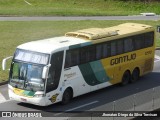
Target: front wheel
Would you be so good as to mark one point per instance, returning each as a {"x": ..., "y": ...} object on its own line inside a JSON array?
[
  {"x": 67, "y": 96},
  {"x": 126, "y": 78}
]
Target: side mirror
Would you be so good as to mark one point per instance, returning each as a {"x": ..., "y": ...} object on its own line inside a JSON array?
[
  {"x": 4, "y": 62},
  {"x": 45, "y": 71}
]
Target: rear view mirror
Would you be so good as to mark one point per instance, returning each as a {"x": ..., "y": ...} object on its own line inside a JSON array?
[
  {"x": 4, "y": 62},
  {"x": 45, "y": 71}
]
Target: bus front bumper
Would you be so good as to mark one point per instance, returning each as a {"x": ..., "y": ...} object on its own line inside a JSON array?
[{"x": 40, "y": 101}]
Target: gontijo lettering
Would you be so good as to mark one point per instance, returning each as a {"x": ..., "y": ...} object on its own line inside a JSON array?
[{"x": 123, "y": 59}]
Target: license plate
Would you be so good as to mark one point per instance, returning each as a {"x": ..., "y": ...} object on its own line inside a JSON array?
[{"x": 24, "y": 100}]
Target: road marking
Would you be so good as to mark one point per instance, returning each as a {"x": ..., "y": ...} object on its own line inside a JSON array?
[
  {"x": 156, "y": 58},
  {"x": 81, "y": 106},
  {"x": 2, "y": 98},
  {"x": 69, "y": 110},
  {"x": 27, "y": 2}
]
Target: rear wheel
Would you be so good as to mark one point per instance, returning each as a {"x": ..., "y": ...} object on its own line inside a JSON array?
[
  {"x": 67, "y": 96},
  {"x": 135, "y": 75},
  {"x": 126, "y": 78}
]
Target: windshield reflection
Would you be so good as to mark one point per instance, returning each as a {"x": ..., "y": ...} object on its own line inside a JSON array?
[{"x": 27, "y": 76}]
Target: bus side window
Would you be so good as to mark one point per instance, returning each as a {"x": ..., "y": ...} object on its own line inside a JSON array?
[
  {"x": 106, "y": 50},
  {"x": 87, "y": 54},
  {"x": 99, "y": 51},
  {"x": 139, "y": 41},
  {"x": 72, "y": 58},
  {"x": 120, "y": 47},
  {"x": 113, "y": 48},
  {"x": 75, "y": 57},
  {"x": 68, "y": 61},
  {"x": 83, "y": 55},
  {"x": 91, "y": 54},
  {"x": 149, "y": 38},
  {"x": 128, "y": 45}
]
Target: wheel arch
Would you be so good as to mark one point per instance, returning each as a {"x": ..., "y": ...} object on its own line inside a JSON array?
[
  {"x": 127, "y": 70},
  {"x": 71, "y": 89},
  {"x": 138, "y": 70}
]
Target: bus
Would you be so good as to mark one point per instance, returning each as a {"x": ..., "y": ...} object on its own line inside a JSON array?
[{"x": 58, "y": 69}]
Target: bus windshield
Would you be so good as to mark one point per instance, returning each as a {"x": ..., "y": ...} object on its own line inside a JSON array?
[{"x": 27, "y": 76}]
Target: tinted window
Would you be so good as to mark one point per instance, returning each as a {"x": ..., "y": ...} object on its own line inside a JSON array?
[
  {"x": 99, "y": 49},
  {"x": 87, "y": 54},
  {"x": 120, "y": 47},
  {"x": 72, "y": 58},
  {"x": 113, "y": 48},
  {"x": 106, "y": 50},
  {"x": 83, "y": 55},
  {"x": 139, "y": 42},
  {"x": 128, "y": 44},
  {"x": 91, "y": 53},
  {"x": 149, "y": 38},
  {"x": 75, "y": 57},
  {"x": 68, "y": 59},
  {"x": 80, "y": 56}
]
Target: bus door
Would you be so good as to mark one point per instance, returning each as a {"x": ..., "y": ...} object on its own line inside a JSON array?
[{"x": 54, "y": 73}]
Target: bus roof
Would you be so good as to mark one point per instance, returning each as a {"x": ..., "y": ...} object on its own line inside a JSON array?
[
  {"x": 99, "y": 33},
  {"x": 51, "y": 44},
  {"x": 82, "y": 37}
]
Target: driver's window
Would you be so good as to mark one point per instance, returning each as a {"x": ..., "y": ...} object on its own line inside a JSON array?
[{"x": 15, "y": 74}]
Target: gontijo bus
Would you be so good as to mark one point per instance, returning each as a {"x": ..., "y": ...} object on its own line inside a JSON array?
[{"x": 57, "y": 69}]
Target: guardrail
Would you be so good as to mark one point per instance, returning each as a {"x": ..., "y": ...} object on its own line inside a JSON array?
[{"x": 148, "y": 100}]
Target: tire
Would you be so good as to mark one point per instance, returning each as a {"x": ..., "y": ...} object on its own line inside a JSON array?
[
  {"x": 135, "y": 75},
  {"x": 126, "y": 78},
  {"x": 67, "y": 96}
]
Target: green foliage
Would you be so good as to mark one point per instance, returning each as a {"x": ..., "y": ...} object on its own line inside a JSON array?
[{"x": 77, "y": 7}]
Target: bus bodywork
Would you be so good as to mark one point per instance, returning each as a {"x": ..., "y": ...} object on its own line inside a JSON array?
[{"x": 56, "y": 69}]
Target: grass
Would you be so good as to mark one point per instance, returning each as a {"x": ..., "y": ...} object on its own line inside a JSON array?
[
  {"x": 75, "y": 7},
  {"x": 15, "y": 33}
]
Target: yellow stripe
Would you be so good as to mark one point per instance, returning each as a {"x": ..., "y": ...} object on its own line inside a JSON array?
[{"x": 20, "y": 92}]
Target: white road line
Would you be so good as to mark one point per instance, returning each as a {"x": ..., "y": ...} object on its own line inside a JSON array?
[
  {"x": 69, "y": 110},
  {"x": 81, "y": 106},
  {"x": 27, "y": 2},
  {"x": 2, "y": 98},
  {"x": 156, "y": 61},
  {"x": 157, "y": 57}
]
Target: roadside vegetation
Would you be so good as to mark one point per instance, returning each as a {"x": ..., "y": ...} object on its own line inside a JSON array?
[
  {"x": 77, "y": 7},
  {"x": 15, "y": 33}
]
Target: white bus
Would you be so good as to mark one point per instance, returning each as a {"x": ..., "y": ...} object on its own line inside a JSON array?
[{"x": 57, "y": 69}]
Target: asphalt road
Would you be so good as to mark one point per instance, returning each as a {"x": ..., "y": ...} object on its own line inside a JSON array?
[
  {"x": 69, "y": 18},
  {"x": 89, "y": 102}
]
